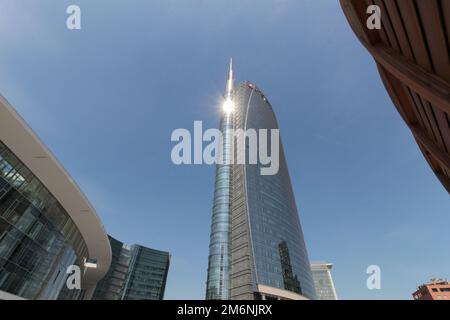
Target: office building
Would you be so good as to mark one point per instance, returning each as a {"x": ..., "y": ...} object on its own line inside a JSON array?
[
  {"x": 411, "y": 52},
  {"x": 46, "y": 223},
  {"x": 323, "y": 281},
  {"x": 257, "y": 249},
  {"x": 136, "y": 273},
  {"x": 147, "y": 275},
  {"x": 436, "y": 289},
  {"x": 112, "y": 285}
]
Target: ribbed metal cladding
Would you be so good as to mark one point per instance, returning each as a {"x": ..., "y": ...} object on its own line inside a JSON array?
[{"x": 217, "y": 287}]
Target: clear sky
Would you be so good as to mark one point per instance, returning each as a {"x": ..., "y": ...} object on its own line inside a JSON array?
[{"x": 105, "y": 99}]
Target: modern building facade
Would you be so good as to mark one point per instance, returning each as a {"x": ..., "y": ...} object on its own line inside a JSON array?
[
  {"x": 46, "y": 223},
  {"x": 257, "y": 249},
  {"x": 411, "y": 51},
  {"x": 323, "y": 281},
  {"x": 112, "y": 285},
  {"x": 436, "y": 289},
  {"x": 219, "y": 262},
  {"x": 147, "y": 275},
  {"x": 136, "y": 273}
]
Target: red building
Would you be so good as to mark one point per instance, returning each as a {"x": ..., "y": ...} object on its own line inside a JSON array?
[{"x": 437, "y": 289}]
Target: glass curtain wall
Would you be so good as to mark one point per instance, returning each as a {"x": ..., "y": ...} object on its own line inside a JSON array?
[{"x": 38, "y": 239}]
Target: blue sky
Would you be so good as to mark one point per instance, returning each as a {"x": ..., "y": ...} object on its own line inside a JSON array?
[{"x": 106, "y": 98}]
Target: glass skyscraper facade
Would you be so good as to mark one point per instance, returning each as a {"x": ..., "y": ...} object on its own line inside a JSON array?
[
  {"x": 220, "y": 251},
  {"x": 260, "y": 225},
  {"x": 136, "y": 273}
]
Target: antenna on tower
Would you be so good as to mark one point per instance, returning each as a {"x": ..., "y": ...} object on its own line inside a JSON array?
[{"x": 230, "y": 80}]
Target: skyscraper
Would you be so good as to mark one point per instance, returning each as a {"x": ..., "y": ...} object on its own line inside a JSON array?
[
  {"x": 257, "y": 249},
  {"x": 323, "y": 281},
  {"x": 136, "y": 273}
]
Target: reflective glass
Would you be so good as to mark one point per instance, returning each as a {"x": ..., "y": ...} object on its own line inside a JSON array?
[{"x": 38, "y": 239}]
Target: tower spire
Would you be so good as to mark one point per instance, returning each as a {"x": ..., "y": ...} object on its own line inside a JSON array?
[{"x": 230, "y": 80}]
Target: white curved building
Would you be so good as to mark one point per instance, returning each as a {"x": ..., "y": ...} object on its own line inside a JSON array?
[{"x": 46, "y": 222}]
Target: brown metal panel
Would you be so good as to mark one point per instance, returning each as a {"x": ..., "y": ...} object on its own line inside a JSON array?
[
  {"x": 397, "y": 24},
  {"x": 438, "y": 170},
  {"x": 361, "y": 9},
  {"x": 414, "y": 108},
  {"x": 433, "y": 123},
  {"x": 439, "y": 155},
  {"x": 434, "y": 164},
  {"x": 410, "y": 107},
  {"x": 420, "y": 80},
  {"x": 435, "y": 37},
  {"x": 426, "y": 84},
  {"x": 445, "y": 5},
  {"x": 383, "y": 36},
  {"x": 441, "y": 118},
  {"x": 417, "y": 77},
  {"x": 355, "y": 11},
  {"x": 424, "y": 119},
  {"x": 415, "y": 34},
  {"x": 444, "y": 180},
  {"x": 387, "y": 26},
  {"x": 353, "y": 19},
  {"x": 396, "y": 91}
]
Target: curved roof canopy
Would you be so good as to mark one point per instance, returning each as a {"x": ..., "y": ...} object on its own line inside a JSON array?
[
  {"x": 412, "y": 55},
  {"x": 21, "y": 140}
]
